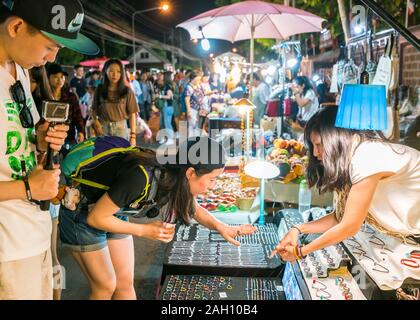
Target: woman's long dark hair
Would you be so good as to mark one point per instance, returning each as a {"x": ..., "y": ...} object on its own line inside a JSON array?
[
  {"x": 333, "y": 173},
  {"x": 43, "y": 89},
  {"x": 122, "y": 88},
  {"x": 173, "y": 187},
  {"x": 304, "y": 81}
]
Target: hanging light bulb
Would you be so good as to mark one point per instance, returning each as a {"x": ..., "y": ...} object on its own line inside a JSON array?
[{"x": 205, "y": 44}]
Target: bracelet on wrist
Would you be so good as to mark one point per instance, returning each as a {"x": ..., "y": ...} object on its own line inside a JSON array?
[
  {"x": 27, "y": 188},
  {"x": 298, "y": 252},
  {"x": 25, "y": 179},
  {"x": 295, "y": 227}
]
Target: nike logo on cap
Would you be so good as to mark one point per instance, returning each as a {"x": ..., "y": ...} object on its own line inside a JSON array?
[{"x": 76, "y": 23}]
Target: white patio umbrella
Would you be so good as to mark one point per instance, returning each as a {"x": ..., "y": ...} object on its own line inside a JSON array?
[{"x": 252, "y": 20}]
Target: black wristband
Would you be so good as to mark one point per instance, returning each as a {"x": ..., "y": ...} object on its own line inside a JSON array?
[
  {"x": 300, "y": 252},
  {"x": 27, "y": 188},
  {"x": 295, "y": 227}
]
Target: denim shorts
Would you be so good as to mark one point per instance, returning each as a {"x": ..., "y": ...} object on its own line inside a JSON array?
[{"x": 76, "y": 234}]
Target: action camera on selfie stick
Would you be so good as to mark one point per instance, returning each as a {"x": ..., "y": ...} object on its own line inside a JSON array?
[{"x": 55, "y": 113}]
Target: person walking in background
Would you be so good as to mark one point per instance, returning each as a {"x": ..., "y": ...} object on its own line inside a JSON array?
[
  {"x": 61, "y": 92},
  {"x": 194, "y": 96},
  {"x": 135, "y": 85},
  {"x": 215, "y": 82},
  {"x": 205, "y": 105},
  {"x": 95, "y": 78},
  {"x": 176, "y": 101},
  {"x": 146, "y": 98},
  {"x": 78, "y": 82},
  {"x": 164, "y": 101},
  {"x": 114, "y": 103},
  {"x": 260, "y": 99},
  {"x": 306, "y": 98},
  {"x": 40, "y": 87},
  {"x": 86, "y": 106}
]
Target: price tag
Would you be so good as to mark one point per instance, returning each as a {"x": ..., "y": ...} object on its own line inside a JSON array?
[
  {"x": 279, "y": 288},
  {"x": 222, "y": 295}
]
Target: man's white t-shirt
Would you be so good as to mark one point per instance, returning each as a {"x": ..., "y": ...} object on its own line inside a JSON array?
[
  {"x": 25, "y": 230},
  {"x": 396, "y": 201},
  {"x": 308, "y": 110}
]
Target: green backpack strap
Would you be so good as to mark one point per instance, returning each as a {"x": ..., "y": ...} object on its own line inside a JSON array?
[
  {"x": 75, "y": 176},
  {"x": 146, "y": 189}
]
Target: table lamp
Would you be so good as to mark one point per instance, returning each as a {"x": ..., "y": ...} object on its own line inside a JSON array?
[
  {"x": 261, "y": 169},
  {"x": 362, "y": 107},
  {"x": 246, "y": 108}
]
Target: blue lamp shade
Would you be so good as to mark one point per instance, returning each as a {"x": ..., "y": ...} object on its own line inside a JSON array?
[{"x": 362, "y": 107}]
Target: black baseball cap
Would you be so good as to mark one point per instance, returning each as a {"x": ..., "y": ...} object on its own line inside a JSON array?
[
  {"x": 54, "y": 68},
  {"x": 59, "y": 20}
]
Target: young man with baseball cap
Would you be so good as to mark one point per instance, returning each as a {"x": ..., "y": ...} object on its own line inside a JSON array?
[{"x": 31, "y": 33}]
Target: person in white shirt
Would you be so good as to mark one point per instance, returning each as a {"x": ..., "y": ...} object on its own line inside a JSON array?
[
  {"x": 306, "y": 99},
  {"x": 380, "y": 182},
  {"x": 28, "y": 40}
]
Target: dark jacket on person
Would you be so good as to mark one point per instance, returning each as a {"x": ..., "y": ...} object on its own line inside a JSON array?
[{"x": 75, "y": 118}]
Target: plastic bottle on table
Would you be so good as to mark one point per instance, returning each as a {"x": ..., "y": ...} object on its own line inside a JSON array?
[{"x": 304, "y": 200}]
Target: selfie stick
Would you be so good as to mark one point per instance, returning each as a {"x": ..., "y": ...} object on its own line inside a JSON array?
[
  {"x": 54, "y": 112},
  {"x": 49, "y": 165}
]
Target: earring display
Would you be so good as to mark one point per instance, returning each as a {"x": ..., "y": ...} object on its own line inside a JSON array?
[{"x": 179, "y": 287}]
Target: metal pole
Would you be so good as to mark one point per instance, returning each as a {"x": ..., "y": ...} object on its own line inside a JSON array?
[
  {"x": 134, "y": 33},
  {"x": 251, "y": 82},
  {"x": 379, "y": 11},
  {"x": 262, "y": 191},
  {"x": 134, "y": 43}
]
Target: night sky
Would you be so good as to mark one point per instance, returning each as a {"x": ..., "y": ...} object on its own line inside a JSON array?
[{"x": 181, "y": 10}]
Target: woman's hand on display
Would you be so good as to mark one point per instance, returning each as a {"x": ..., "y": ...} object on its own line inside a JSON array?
[
  {"x": 158, "y": 230},
  {"x": 44, "y": 183},
  {"x": 229, "y": 233},
  {"x": 52, "y": 136},
  {"x": 286, "y": 253},
  {"x": 289, "y": 240}
]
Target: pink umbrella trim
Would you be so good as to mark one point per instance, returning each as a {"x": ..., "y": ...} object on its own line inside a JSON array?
[{"x": 252, "y": 7}]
